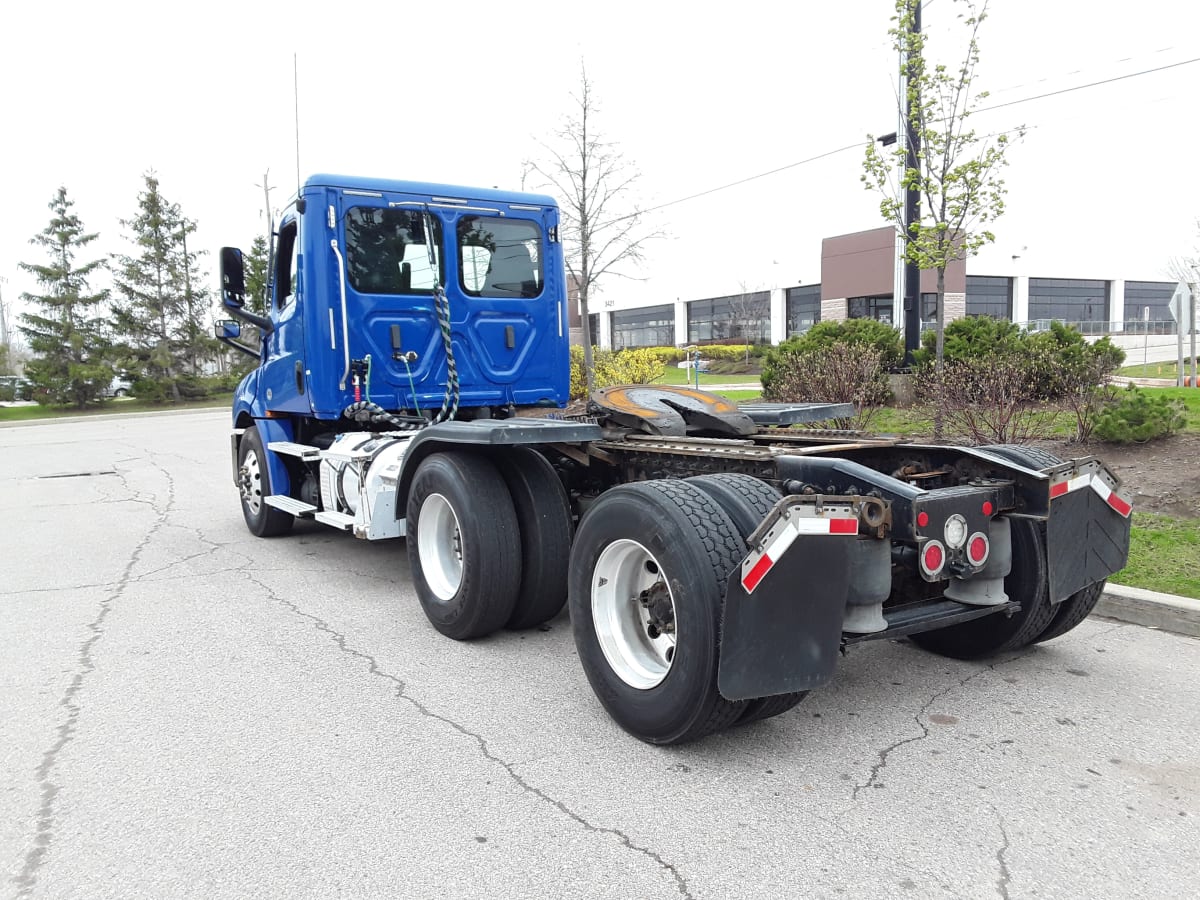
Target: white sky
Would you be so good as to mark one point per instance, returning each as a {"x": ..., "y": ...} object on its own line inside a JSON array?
[{"x": 697, "y": 94}]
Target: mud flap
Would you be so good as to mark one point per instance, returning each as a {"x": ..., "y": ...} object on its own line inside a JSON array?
[
  {"x": 782, "y": 623},
  {"x": 1087, "y": 539}
]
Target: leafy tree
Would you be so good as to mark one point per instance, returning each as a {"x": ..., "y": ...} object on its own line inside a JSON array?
[
  {"x": 957, "y": 172},
  {"x": 162, "y": 316},
  {"x": 66, "y": 333},
  {"x": 602, "y": 231}
]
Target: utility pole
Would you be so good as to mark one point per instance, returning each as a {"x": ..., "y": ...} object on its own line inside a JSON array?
[{"x": 912, "y": 199}]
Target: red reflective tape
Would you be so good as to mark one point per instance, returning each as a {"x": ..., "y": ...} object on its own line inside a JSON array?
[
  {"x": 1057, "y": 490},
  {"x": 843, "y": 526},
  {"x": 755, "y": 575},
  {"x": 1119, "y": 505}
]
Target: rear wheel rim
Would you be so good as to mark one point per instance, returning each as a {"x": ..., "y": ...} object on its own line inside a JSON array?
[
  {"x": 439, "y": 544},
  {"x": 637, "y": 640}
]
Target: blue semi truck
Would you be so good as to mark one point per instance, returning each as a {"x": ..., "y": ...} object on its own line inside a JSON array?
[{"x": 412, "y": 372}]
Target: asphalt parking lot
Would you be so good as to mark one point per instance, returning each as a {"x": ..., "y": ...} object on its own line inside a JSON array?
[{"x": 189, "y": 711}]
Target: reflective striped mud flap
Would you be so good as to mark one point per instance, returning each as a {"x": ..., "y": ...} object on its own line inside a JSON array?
[
  {"x": 782, "y": 622},
  {"x": 1087, "y": 533}
]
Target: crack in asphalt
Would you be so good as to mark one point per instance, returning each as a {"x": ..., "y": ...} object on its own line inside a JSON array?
[
  {"x": 879, "y": 765},
  {"x": 1005, "y": 875},
  {"x": 43, "y": 836},
  {"x": 401, "y": 693}
]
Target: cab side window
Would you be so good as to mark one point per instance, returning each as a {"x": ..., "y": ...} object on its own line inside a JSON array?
[{"x": 286, "y": 259}]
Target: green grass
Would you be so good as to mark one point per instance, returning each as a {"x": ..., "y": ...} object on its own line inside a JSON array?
[
  {"x": 1164, "y": 555},
  {"x": 1167, "y": 369},
  {"x": 108, "y": 407},
  {"x": 739, "y": 396},
  {"x": 674, "y": 375}
]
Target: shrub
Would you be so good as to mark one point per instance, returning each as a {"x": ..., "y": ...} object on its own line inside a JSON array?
[
  {"x": 986, "y": 400},
  {"x": 859, "y": 334},
  {"x": 639, "y": 366},
  {"x": 725, "y": 351},
  {"x": 1137, "y": 416},
  {"x": 665, "y": 355},
  {"x": 969, "y": 338},
  {"x": 854, "y": 332},
  {"x": 837, "y": 373}
]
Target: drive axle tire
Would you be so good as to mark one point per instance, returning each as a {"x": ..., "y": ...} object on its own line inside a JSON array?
[
  {"x": 463, "y": 544},
  {"x": 1077, "y": 607},
  {"x": 649, "y": 569},
  {"x": 1027, "y": 584},
  {"x": 544, "y": 518},
  {"x": 747, "y": 501},
  {"x": 1072, "y": 611},
  {"x": 254, "y": 485}
]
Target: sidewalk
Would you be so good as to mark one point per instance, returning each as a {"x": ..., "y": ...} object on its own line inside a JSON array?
[{"x": 1165, "y": 612}]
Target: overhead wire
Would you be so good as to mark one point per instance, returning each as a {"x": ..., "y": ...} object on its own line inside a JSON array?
[{"x": 834, "y": 152}]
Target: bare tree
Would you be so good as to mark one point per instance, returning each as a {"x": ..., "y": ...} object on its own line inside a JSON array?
[
  {"x": 602, "y": 230},
  {"x": 749, "y": 309}
]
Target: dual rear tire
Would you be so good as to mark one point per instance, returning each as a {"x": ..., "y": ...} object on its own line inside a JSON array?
[{"x": 488, "y": 541}]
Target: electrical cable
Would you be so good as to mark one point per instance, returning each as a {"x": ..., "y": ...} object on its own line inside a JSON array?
[{"x": 829, "y": 153}]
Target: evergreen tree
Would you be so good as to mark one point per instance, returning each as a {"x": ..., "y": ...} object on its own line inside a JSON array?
[
  {"x": 66, "y": 332},
  {"x": 256, "y": 276},
  {"x": 162, "y": 313}
]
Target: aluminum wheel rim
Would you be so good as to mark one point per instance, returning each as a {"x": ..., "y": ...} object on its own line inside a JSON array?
[
  {"x": 252, "y": 483},
  {"x": 439, "y": 544},
  {"x": 624, "y": 570}
]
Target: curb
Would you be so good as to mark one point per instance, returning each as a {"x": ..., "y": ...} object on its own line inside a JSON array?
[{"x": 1152, "y": 609}]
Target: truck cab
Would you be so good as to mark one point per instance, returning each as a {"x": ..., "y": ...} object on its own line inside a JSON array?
[{"x": 358, "y": 276}]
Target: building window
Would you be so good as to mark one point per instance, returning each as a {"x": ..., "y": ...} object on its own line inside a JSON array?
[
  {"x": 738, "y": 317},
  {"x": 1152, "y": 295},
  {"x": 803, "y": 308},
  {"x": 1076, "y": 301},
  {"x": 879, "y": 308},
  {"x": 651, "y": 326},
  {"x": 988, "y": 295}
]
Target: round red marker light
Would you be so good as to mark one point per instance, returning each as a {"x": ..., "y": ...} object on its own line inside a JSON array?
[
  {"x": 933, "y": 558},
  {"x": 977, "y": 549},
  {"x": 922, "y": 519},
  {"x": 987, "y": 507}
]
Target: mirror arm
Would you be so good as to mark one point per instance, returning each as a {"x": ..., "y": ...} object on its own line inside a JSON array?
[
  {"x": 238, "y": 345},
  {"x": 261, "y": 322}
]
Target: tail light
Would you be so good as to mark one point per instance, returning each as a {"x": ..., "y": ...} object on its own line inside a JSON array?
[
  {"x": 978, "y": 548},
  {"x": 933, "y": 558}
]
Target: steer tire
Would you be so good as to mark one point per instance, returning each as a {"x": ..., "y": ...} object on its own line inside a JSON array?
[
  {"x": 1027, "y": 584},
  {"x": 255, "y": 487},
  {"x": 655, "y": 536},
  {"x": 747, "y": 501},
  {"x": 463, "y": 542},
  {"x": 544, "y": 518}
]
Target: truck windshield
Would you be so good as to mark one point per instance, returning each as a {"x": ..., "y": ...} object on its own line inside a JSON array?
[
  {"x": 387, "y": 251},
  {"x": 499, "y": 257}
]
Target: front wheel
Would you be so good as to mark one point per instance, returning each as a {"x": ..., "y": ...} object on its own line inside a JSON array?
[
  {"x": 648, "y": 574},
  {"x": 254, "y": 485},
  {"x": 463, "y": 545}
]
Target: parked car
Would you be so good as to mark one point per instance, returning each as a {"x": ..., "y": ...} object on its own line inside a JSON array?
[{"x": 118, "y": 387}]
